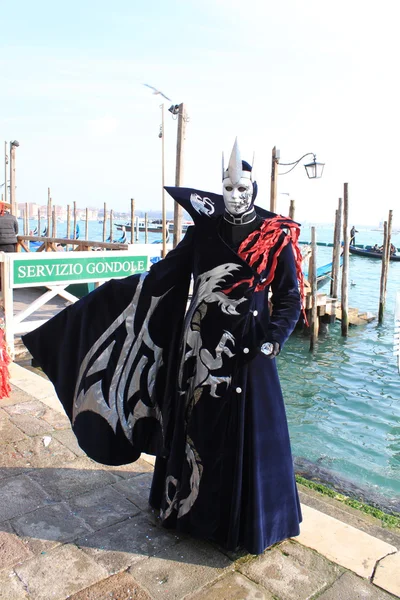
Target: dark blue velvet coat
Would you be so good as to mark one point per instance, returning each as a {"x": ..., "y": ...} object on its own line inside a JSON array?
[{"x": 137, "y": 373}]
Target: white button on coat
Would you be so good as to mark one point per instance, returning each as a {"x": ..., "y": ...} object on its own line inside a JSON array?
[
  {"x": 246, "y": 350},
  {"x": 255, "y": 312},
  {"x": 238, "y": 389}
]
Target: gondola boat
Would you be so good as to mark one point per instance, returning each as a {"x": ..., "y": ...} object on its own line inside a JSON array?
[{"x": 370, "y": 253}]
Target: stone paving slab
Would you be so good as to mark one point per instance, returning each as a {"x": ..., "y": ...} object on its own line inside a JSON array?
[
  {"x": 180, "y": 570},
  {"x": 12, "y": 462},
  {"x": 137, "y": 490},
  {"x": 9, "y": 433},
  {"x": 68, "y": 439},
  {"x": 131, "y": 470},
  {"x": 12, "y": 550},
  {"x": 49, "y": 526},
  {"x": 58, "y": 574},
  {"x": 232, "y": 587},
  {"x": 117, "y": 587},
  {"x": 348, "y": 514},
  {"x": 31, "y": 425},
  {"x": 289, "y": 567},
  {"x": 31, "y": 407},
  {"x": 27, "y": 382},
  {"x": 345, "y": 545},
  {"x": 119, "y": 546},
  {"x": 44, "y": 451},
  {"x": 102, "y": 508},
  {"x": 11, "y": 588},
  {"x": 19, "y": 495},
  {"x": 351, "y": 587},
  {"x": 73, "y": 479},
  {"x": 56, "y": 419},
  {"x": 387, "y": 574}
]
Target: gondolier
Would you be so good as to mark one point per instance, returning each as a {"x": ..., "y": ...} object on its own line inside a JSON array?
[{"x": 199, "y": 390}]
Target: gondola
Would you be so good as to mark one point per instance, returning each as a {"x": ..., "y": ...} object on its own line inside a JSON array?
[{"x": 370, "y": 253}]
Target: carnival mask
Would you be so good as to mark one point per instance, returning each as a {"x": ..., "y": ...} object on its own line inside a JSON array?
[
  {"x": 238, "y": 189},
  {"x": 237, "y": 196}
]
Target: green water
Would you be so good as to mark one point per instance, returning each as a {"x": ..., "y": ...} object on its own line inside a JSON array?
[{"x": 343, "y": 400}]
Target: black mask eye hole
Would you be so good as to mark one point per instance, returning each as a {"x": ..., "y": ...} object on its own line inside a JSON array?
[{"x": 242, "y": 189}]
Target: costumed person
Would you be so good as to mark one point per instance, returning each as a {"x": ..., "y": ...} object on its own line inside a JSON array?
[{"x": 200, "y": 390}]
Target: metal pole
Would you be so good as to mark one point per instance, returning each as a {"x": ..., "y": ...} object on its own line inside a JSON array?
[
  {"x": 178, "y": 212},
  {"x": 345, "y": 270},
  {"x": 164, "y": 210},
  {"x": 274, "y": 180}
]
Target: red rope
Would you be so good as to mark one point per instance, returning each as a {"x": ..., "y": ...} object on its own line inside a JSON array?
[
  {"x": 256, "y": 249},
  {"x": 5, "y": 360}
]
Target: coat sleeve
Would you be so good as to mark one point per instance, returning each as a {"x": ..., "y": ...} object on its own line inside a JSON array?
[
  {"x": 113, "y": 355},
  {"x": 285, "y": 298}
]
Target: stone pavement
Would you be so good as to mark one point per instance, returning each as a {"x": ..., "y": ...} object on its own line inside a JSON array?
[{"x": 72, "y": 528}]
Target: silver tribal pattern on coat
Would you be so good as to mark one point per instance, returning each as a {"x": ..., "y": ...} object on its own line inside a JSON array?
[{"x": 207, "y": 290}]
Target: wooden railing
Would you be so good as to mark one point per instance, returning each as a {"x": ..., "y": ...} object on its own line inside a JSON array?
[{"x": 50, "y": 244}]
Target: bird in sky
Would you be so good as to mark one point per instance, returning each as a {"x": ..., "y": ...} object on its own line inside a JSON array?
[{"x": 155, "y": 91}]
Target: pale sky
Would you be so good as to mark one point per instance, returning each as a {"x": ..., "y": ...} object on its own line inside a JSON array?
[{"x": 310, "y": 76}]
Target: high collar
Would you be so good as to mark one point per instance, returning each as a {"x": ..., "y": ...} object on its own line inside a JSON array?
[{"x": 243, "y": 219}]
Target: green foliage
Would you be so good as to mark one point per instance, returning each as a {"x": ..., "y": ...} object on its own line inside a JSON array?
[{"x": 392, "y": 520}]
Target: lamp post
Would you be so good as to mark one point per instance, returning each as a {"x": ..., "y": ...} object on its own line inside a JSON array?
[
  {"x": 313, "y": 169},
  {"x": 13, "y": 146},
  {"x": 180, "y": 111}
]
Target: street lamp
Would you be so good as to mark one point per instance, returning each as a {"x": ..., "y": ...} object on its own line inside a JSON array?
[{"x": 313, "y": 169}]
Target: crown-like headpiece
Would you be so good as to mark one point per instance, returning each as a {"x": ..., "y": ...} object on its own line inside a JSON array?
[{"x": 235, "y": 167}]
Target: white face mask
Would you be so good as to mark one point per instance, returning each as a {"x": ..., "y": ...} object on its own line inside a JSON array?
[{"x": 237, "y": 197}]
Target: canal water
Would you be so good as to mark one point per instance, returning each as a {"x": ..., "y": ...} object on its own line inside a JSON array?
[{"x": 343, "y": 400}]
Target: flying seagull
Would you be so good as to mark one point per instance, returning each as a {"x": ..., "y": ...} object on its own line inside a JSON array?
[{"x": 155, "y": 91}]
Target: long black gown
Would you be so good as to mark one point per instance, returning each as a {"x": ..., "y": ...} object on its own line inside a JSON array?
[{"x": 136, "y": 373}]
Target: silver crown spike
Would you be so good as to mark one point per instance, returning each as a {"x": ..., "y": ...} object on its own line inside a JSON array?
[
  {"x": 235, "y": 164},
  {"x": 252, "y": 174}
]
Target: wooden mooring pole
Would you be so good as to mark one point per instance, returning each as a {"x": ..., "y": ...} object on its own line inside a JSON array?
[
  {"x": 111, "y": 224},
  {"x": 387, "y": 232},
  {"x": 87, "y": 224},
  {"x": 345, "y": 270},
  {"x": 146, "y": 229},
  {"x": 336, "y": 250},
  {"x": 38, "y": 222},
  {"x": 132, "y": 220},
  {"x": 137, "y": 228},
  {"x": 74, "y": 232},
  {"x": 292, "y": 209},
  {"x": 53, "y": 223},
  {"x": 312, "y": 278},
  {"x": 104, "y": 221},
  {"x": 48, "y": 212},
  {"x": 26, "y": 220}
]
